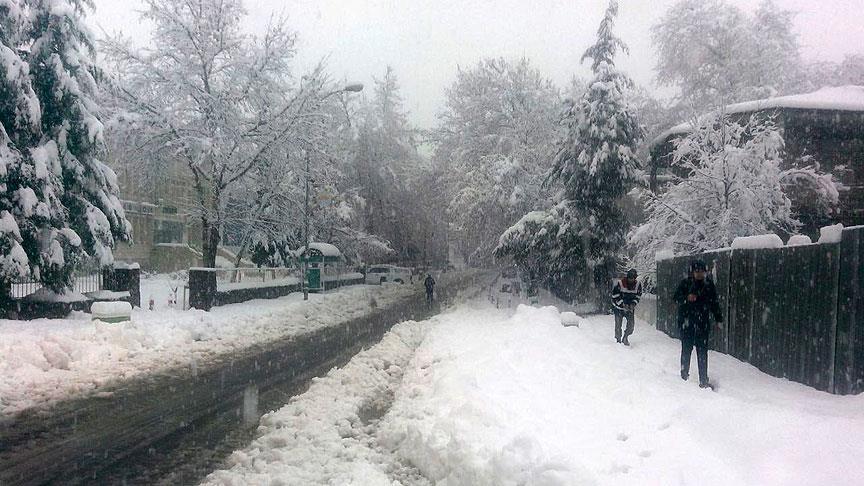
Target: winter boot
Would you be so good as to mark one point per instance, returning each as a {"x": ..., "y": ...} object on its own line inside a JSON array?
[
  {"x": 684, "y": 375},
  {"x": 625, "y": 341}
]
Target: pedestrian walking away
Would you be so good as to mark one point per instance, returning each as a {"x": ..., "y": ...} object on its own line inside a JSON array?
[
  {"x": 625, "y": 296},
  {"x": 429, "y": 283},
  {"x": 697, "y": 301}
]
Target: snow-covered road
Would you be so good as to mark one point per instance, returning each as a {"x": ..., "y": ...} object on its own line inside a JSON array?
[{"x": 488, "y": 398}]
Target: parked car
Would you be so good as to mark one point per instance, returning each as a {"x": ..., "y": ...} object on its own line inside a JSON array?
[{"x": 378, "y": 274}]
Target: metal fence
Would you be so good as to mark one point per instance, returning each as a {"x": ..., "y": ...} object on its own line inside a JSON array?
[
  {"x": 88, "y": 278},
  {"x": 794, "y": 312}
]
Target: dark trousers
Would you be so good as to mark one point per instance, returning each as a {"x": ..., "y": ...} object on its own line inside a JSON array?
[
  {"x": 620, "y": 315},
  {"x": 687, "y": 345}
]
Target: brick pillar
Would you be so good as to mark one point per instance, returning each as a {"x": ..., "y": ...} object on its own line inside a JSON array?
[
  {"x": 202, "y": 288},
  {"x": 124, "y": 278}
]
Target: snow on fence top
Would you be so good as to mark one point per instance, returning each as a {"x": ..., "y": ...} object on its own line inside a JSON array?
[
  {"x": 799, "y": 240},
  {"x": 841, "y": 98},
  {"x": 831, "y": 234},
  {"x": 758, "y": 241}
]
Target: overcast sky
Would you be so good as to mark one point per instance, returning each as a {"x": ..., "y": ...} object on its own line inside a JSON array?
[{"x": 425, "y": 40}]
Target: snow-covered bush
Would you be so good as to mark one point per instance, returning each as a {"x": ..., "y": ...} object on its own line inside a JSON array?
[{"x": 731, "y": 186}]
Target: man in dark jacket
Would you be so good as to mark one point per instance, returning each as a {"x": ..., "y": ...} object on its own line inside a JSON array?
[
  {"x": 625, "y": 295},
  {"x": 429, "y": 283},
  {"x": 696, "y": 297}
]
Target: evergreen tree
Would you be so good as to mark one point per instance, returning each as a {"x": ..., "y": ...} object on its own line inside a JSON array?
[
  {"x": 596, "y": 163},
  {"x": 61, "y": 198}
]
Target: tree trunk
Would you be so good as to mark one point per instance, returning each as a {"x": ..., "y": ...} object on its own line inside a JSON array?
[{"x": 209, "y": 242}]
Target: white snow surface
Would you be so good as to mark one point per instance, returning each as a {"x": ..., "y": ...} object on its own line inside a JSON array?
[
  {"x": 45, "y": 360},
  {"x": 799, "y": 240},
  {"x": 490, "y": 398},
  {"x": 831, "y": 234},
  {"x": 756, "y": 242}
]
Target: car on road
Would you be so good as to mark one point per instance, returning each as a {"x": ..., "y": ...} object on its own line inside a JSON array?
[{"x": 378, "y": 274}]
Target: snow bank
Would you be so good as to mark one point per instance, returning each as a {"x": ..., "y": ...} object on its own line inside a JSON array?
[
  {"x": 831, "y": 234},
  {"x": 757, "y": 242},
  {"x": 323, "y": 436}
]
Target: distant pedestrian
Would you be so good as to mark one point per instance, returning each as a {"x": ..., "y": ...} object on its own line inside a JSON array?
[
  {"x": 625, "y": 295},
  {"x": 429, "y": 283},
  {"x": 696, "y": 297}
]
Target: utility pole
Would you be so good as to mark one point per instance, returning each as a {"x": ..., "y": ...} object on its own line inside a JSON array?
[{"x": 306, "y": 247}]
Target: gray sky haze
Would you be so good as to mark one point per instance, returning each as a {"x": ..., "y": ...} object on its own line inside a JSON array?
[{"x": 426, "y": 40}]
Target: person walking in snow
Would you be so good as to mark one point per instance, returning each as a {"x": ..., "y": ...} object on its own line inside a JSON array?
[
  {"x": 625, "y": 295},
  {"x": 429, "y": 283},
  {"x": 697, "y": 300}
]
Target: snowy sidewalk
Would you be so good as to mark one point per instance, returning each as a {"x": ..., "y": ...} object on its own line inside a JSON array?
[
  {"x": 46, "y": 360},
  {"x": 490, "y": 399}
]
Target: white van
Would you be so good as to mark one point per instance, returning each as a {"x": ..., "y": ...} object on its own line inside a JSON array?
[{"x": 377, "y": 274}]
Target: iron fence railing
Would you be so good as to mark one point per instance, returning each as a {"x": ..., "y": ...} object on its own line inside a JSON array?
[{"x": 88, "y": 278}]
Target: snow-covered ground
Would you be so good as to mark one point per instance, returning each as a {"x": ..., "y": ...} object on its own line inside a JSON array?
[
  {"x": 491, "y": 398},
  {"x": 45, "y": 360}
]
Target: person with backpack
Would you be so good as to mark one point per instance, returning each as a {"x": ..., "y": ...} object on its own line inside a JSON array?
[
  {"x": 697, "y": 301},
  {"x": 625, "y": 295}
]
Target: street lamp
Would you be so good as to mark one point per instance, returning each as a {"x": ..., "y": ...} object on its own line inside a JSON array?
[{"x": 353, "y": 88}]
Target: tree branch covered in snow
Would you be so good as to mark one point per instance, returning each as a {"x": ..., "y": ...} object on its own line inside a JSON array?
[
  {"x": 60, "y": 201},
  {"x": 730, "y": 184},
  {"x": 220, "y": 100},
  {"x": 495, "y": 143}
]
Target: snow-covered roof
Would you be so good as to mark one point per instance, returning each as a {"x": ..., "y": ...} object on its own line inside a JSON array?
[
  {"x": 840, "y": 98},
  {"x": 326, "y": 249}
]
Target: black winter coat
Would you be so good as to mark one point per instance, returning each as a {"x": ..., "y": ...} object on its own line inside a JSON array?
[{"x": 694, "y": 318}]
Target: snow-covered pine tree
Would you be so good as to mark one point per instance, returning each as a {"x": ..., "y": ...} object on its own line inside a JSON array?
[
  {"x": 730, "y": 184},
  {"x": 596, "y": 162},
  {"x": 61, "y": 197}
]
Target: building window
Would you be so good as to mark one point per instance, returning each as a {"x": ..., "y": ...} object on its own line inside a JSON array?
[{"x": 168, "y": 232}]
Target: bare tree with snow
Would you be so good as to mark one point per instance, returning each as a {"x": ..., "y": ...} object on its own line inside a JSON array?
[{"x": 220, "y": 100}]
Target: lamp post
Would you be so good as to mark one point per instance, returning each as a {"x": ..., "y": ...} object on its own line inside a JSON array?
[{"x": 354, "y": 88}]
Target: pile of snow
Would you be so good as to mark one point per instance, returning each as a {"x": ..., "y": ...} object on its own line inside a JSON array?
[
  {"x": 325, "y": 436},
  {"x": 570, "y": 319},
  {"x": 831, "y": 234},
  {"x": 51, "y": 359},
  {"x": 44, "y": 294},
  {"x": 757, "y": 242},
  {"x": 799, "y": 240}
]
